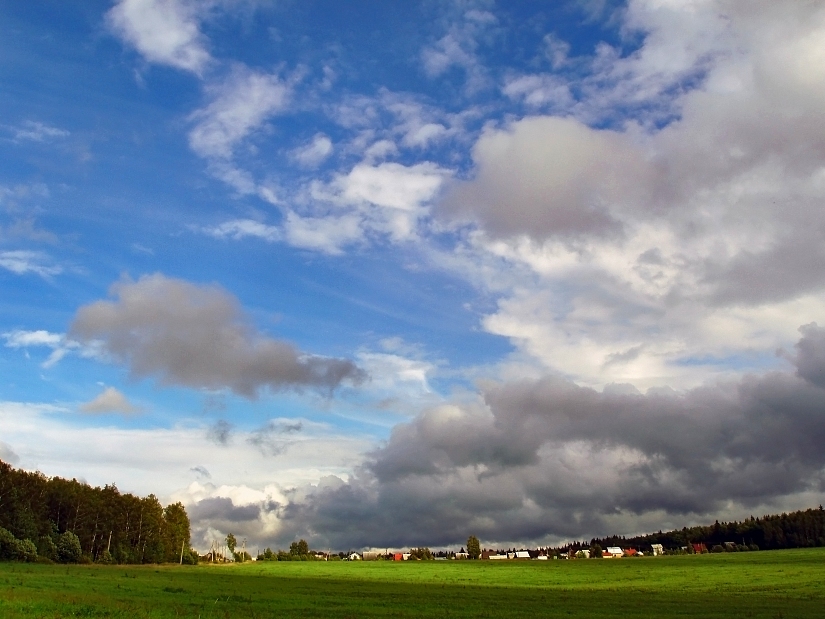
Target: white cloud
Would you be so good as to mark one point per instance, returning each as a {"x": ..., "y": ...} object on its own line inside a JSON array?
[
  {"x": 458, "y": 48},
  {"x": 391, "y": 185},
  {"x": 327, "y": 234},
  {"x": 110, "y": 400},
  {"x": 240, "y": 104},
  {"x": 37, "y": 131},
  {"x": 163, "y": 31},
  {"x": 22, "y": 262},
  {"x": 242, "y": 228},
  {"x": 316, "y": 152},
  {"x": 56, "y": 341},
  {"x": 540, "y": 91},
  {"x": 23, "y": 339}
]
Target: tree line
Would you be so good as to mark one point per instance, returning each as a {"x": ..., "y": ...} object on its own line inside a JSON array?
[
  {"x": 800, "y": 529},
  {"x": 70, "y": 521}
]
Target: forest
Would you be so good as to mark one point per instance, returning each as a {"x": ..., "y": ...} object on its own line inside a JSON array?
[{"x": 55, "y": 519}]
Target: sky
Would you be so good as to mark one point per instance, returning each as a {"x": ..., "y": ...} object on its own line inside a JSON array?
[{"x": 390, "y": 274}]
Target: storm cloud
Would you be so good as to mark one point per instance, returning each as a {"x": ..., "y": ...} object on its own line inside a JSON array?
[
  {"x": 198, "y": 336},
  {"x": 548, "y": 459}
]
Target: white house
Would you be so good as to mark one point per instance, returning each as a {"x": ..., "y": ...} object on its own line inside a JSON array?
[
  {"x": 614, "y": 551},
  {"x": 658, "y": 550}
]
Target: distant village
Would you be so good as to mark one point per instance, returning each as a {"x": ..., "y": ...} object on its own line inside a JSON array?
[{"x": 570, "y": 552}]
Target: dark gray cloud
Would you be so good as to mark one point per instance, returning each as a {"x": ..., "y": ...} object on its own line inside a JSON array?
[
  {"x": 271, "y": 438},
  {"x": 202, "y": 471},
  {"x": 548, "y": 458},
  {"x": 220, "y": 432},
  {"x": 198, "y": 336},
  {"x": 810, "y": 359},
  {"x": 222, "y": 509}
]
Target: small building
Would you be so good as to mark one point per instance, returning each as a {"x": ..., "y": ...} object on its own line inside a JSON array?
[
  {"x": 497, "y": 557},
  {"x": 658, "y": 550},
  {"x": 354, "y": 557},
  {"x": 462, "y": 555},
  {"x": 370, "y": 555},
  {"x": 630, "y": 552},
  {"x": 699, "y": 549},
  {"x": 521, "y": 554}
]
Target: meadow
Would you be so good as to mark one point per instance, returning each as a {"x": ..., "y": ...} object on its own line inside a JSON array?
[{"x": 770, "y": 584}]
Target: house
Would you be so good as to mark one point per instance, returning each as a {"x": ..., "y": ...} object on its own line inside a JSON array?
[
  {"x": 613, "y": 552},
  {"x": 462, "y": 555},
  {"x": 522, "y": 554},
  {"x": 658, "y": 550},
  {"x": 699, "y": 549},
  {"x": 630, "y": 552},
  {"x": 354, "y": 557}
]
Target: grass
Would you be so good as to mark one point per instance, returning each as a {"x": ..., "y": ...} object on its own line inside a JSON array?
[{"x": 778, "y": 584}]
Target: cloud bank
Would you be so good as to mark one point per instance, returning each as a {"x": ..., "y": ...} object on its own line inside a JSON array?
[{"x": 547, "y": 459}]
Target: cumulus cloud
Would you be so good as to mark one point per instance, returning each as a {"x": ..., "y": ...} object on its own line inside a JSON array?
[
  {"x": 546, "y": 458},
  {"x": 110, "y": 400},
  {"x": 548, "y": 176},
  {"x": 163, "y": 31},
  {"x": 679, "y": 220},
  {"x": 198, "y": 336}
]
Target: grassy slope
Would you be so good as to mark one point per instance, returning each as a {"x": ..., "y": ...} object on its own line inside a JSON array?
[{"x": 764, "y": 584}]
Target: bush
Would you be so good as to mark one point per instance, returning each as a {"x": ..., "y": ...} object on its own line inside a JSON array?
[
  {"x": 8, "y": 545},
  {"x": 191, "y": 557},
  {"x": 717, "y": 548},
  {"x": 68, "y": 548},
  {"x": 105, "y": 558},
  {"x": 26, "y": 551},
  {"x": 46, "y": 548}
]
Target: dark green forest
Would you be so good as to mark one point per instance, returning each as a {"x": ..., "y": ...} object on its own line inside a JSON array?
[
  {"x": 801, "y": 529},
  {"x": 55, "y": 519}
]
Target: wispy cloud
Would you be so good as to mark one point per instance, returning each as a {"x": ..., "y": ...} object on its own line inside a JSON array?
[
  {"x": 23, "y": 262},
  {"x": 37, "y": 132}
]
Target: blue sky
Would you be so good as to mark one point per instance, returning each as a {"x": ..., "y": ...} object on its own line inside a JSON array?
[{"x": 286, "y": 254}]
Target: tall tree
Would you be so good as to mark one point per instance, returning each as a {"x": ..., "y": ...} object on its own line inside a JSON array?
[{"x": 473, "y": 547}]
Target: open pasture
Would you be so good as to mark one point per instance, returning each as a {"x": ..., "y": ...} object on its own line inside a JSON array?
[{"x": 759, "y": 584}]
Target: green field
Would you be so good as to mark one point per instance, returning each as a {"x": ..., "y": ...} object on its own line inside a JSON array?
[{"x": 787, "y": 583}]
